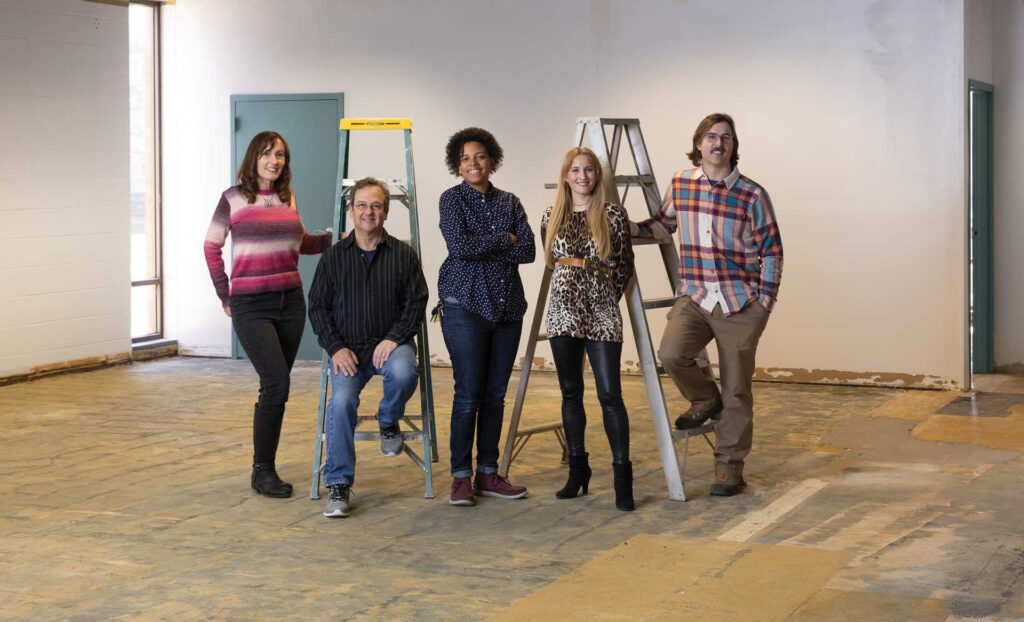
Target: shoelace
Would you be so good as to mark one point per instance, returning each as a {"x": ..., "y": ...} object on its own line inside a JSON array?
[
  {"x": 390, "y": 431},
  {"x": 340, "y": 493}
]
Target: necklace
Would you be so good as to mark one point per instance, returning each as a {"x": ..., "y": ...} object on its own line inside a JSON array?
[{"x": 268, "y": 200}]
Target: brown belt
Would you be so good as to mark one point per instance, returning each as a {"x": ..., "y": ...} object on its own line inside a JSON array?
[{"x": 601, "y": 271}]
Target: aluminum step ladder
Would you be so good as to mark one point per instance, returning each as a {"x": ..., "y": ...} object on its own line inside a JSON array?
[
  {"x": 592, "y": 130},
  {"x": 403, "y": 191}
]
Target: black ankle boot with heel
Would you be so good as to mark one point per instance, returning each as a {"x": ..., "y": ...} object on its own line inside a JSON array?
[
  {"x": 266, "y": 481},
  {"x": 624, "y": 486},
  {"x": 579, "y": 477}
]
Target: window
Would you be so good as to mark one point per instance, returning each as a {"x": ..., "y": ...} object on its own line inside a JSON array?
[{"x": 144, "y": 89}]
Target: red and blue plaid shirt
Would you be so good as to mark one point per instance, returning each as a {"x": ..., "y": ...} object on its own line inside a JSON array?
[{"x": 730, "y": 249}]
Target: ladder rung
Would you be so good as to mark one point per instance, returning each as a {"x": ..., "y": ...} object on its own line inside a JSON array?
[
  {"x": 551, "y": 186},
  {"x": 659, "y": 303},
  {"x": 660, "y": 369},
  {"x": 542, "y": 336},
  {"x": 634, "y": 179},
  {"x": 544, "y": 427}
]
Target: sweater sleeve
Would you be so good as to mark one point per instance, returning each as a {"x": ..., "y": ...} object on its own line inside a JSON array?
[{"x": 213, "y": 248}]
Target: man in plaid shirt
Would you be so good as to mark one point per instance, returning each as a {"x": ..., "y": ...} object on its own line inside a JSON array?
[{"x": 730, "y": 266}]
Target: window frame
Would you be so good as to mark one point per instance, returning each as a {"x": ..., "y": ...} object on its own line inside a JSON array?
[{"x": 157, "y": 278}]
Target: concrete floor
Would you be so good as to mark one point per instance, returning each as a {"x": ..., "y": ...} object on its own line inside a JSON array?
[{"x": 124, "y": 495}]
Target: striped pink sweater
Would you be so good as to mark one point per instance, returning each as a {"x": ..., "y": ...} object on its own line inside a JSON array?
[{"x": 267, "y": 241}]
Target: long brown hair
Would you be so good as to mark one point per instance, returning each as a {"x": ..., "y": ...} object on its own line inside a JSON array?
[
  {"x": 561, "y": 211},
  {"x": 248, "y": 180}
]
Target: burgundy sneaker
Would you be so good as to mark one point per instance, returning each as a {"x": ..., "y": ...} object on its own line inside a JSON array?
[
  {"x": 492, "y": 485},
  {"x": 462, "y": 492}
]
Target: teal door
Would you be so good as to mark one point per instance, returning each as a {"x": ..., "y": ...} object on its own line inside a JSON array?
[
  {"x": 309, "y": 122},
  {"x": 982, "y": 302}
]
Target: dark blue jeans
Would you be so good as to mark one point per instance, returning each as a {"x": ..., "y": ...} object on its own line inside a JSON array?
[
  {"x": 482, "y": 354},
  {"x": 269, "y": 327}
]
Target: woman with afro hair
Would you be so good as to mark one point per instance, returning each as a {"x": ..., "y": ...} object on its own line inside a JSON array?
[{"x": 482, "y": 307}]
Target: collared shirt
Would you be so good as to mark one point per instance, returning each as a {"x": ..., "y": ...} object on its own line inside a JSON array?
[
  {"x": 482, "y": 268},
  {"x": 730, "y": 249},
  {"x": 356, "y": 304}
]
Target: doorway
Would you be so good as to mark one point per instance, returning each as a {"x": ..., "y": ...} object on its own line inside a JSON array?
[
  {"x": 981, "y": 296},
  {"x": 309, "y": 122}
]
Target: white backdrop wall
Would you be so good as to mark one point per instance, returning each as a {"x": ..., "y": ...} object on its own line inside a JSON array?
[
  {"x": 1008, "y": 79},
  {"x": 64, "y": 246},
  {"x": 851, "y": 115}
]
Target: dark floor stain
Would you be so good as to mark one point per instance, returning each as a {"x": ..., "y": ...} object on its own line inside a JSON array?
[{"x": 983, "y": 405}]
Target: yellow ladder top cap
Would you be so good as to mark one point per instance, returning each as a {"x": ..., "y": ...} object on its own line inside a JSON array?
[{"x": 375, "y": 124}]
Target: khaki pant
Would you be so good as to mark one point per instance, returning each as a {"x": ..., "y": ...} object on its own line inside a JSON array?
[{"x": 689, "y": 330}]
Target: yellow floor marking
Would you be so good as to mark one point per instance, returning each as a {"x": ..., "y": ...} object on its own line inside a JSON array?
[
  {"x": 994, "y": 432},
  {"x": 663, "y": 577},
  {"x": 915, "y": 405},
  {"x": 776, "y": 509}
]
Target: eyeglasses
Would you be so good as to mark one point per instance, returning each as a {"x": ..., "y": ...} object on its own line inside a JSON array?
[
  {"x": 365, "y": 207},
  {"x": 725, "y": 138}
]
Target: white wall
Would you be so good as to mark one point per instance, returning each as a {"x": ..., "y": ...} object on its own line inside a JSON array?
[
  {"x": 64, "y": 275},
  {"x": 1008, "y": 79},
  {"x": 851, "y": 114}
]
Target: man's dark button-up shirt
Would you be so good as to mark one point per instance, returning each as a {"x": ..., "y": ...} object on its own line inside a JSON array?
[
  {"x": 356, "y": 304},
  {"x": 482, "y": 268}
]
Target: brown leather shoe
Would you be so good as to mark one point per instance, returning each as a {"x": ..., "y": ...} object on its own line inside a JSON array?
[
  {"x": 728, "y": 481},
  {"x": 694, "y": 418}
]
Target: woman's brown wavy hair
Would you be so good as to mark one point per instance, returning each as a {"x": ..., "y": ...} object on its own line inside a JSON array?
[{"x": 248, "y": 180}]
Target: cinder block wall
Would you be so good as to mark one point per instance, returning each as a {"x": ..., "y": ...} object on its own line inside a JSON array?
[{"x": 64, "y": 157}]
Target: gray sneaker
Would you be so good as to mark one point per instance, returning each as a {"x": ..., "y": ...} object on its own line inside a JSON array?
[
  {"x": 391, "y": 443},
  {"x": 337, "y": 505}
]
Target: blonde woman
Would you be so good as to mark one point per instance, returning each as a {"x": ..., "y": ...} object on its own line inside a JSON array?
[{"x": 587, "y": 244}]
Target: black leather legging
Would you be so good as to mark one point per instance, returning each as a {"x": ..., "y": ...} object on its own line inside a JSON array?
[{"x": 604, "y": 360}]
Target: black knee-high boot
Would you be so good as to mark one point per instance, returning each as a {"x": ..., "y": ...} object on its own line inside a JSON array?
[
  {"x": 624, "y": 485},
  {"x": 579, "y": 477}
]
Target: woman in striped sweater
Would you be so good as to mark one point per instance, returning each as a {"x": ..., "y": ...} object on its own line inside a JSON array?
[{"x": 264, "y": 295}]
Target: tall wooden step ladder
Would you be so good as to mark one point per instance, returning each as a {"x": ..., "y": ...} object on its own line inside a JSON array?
[
  {"x": 403, "y": 191},
  {"x": 592, "y": 130}
]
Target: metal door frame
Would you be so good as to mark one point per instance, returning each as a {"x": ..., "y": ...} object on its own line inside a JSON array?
[{"x": 980, "y": 192}]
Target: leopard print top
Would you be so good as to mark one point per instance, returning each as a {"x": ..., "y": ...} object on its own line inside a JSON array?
[{"x": 583, "y": 304}]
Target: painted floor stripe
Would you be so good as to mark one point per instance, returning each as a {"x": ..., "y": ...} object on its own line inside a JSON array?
[{"x": 776, "y": 509}]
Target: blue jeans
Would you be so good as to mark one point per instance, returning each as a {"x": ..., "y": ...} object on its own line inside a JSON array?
[
  {"x": 482, "y": 353},
  {"x": 400, "y": 375}
]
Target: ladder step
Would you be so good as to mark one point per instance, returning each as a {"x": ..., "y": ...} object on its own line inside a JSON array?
[
  {"x": 544, "y": 427},
  {"x": 542, "y": 336},
  {"x": 375, "y": 436},
  {"x": 650, "y": 241},
  {"x": 634, "y": 179},
  {"x": 707, "y": 428},
  {"x": 659, "y": 303}
]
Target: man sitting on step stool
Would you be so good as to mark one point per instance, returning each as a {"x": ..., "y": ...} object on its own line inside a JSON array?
[
  {"x": 365, "y": 304},
  {"x": 730, "y": 268}
]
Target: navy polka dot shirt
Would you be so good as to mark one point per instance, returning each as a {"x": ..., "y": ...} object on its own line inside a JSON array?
[{"x": 482, "y": 268}]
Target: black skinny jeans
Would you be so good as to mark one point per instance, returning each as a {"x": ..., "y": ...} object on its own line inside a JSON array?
[
  {"x": 269, "y": 327},
  {"x": 604, "y": 360}
]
